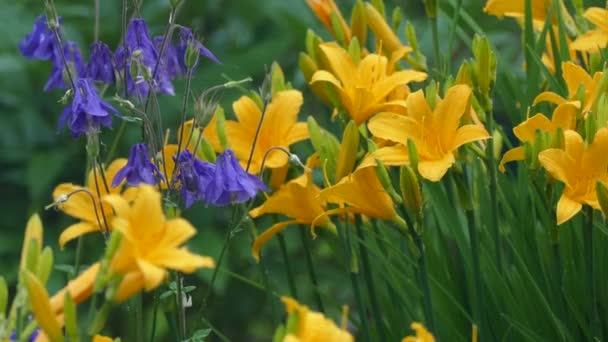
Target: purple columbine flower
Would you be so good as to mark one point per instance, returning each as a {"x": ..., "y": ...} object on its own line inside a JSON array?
[
  {"x": 88, "y": 112},
  {"x": 139, "y": 168},
  {"x": 194, "y": 177},
  {"x": 101, "y": 63},
  {"x": 231, "y": 183},
  {"x": 186, "y": 38},
  {"x": 40, "y": 43},
  {"x": 170, "y": 60},
  {"x": 138, "y": 48},
  {"x": 74, "y": 62},
  {"x": 32, "y": 338}
]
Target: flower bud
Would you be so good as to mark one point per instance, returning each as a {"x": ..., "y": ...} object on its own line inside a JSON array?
[
  {"x": 601, "y": 113},
  {"x": 325, "y": 144},
  {"x": 464, "y": 74},
  {"x": 337, "y": 28},
  {"x": 347, "y": 156},
  {"x": 312, "y": 41},
  {"x": 601, "y": 89},
  {"x": 485, "y": 64},
  {"x": 39, "y": 301},
  {"x": 379, "y": 5},
  {"x": 45, "y": 265},
  {"x": 558, "y": 139},
  {"x": 397, "y": 17},
  {"x": 205, "y": 150},
  {"x": 431, "y": 94},
  {"x": 33, "y": 235},
  {"x": 602, "y": 196},
  {"x": 3, "y": 298},
  {"x": 412, "y": 153},
  {"x": 410, "y": 191},
  {"x": 590, "y": 129},
  {"x": 69, "y": 316},
  {"x": 387, "y": 184},
  {"x": 358, "y": 22},
  {"x": 498, "y": 141},
  {"x": 381, "y": 29},
  {"x": 191, "y": 56},
  {"x": 430, "y": 6},
  {"x": 354, "y": 50},
  {"x": 220, "y": 123},
  {"x": 278, "y": 78},
  {"x": 410, "y": 35}
]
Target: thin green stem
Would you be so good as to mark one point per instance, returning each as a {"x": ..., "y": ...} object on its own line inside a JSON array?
[
  {"x": 114, "y": 145},
  {"x": 491, "y": 165},
  {"x": 96, "y": 22},
  {"x": 424, "y": 281},
  {"x": 139, "y": 317},
  {"x": 369, "y": 280},
  {"x": 477, "y": 287},
  {"x": 268, "y": 290},
  {"x": 154, "y": 316},
  {"x": 290, "y": 276},
  {"x": 590, "y": 261},
  {"x": 78, "y": 256},
  {"x": 311, "y": 267},
  {"x": 181, "y": 311}
]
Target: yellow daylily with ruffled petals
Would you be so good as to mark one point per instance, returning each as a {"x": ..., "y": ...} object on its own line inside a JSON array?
[
  {"x": 564, "y": 116},
  {"x": 594, "y": 40},
  {"x": 323, "y": 10},
  {"x": 151, "y": 242},
  {"x": 579, "y": 168},
  {"x": 312, "y": 326},
  {"x": 422, "y": 335},
  {"x": 575, "y": 76},
  {"x": 87, "y": 207},
  {"x": 297, "y": 199},
  {"x": 436, "y": 133},
  {"x": 279, "y": 129},
  {"x": 517, "y": 9},
  {"x": 363, "y": 87}
]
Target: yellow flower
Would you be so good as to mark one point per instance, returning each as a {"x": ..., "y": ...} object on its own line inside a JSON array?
[
  {"x": 564, "y": 116},
  {"x": 363, "y": 193},
  {"x": 279, "y": 129},
  {"x": 437, "y": 133},
  {"x": 312, "y": 326},
  {"x": 85, "y": 204},
  {"x": 575, "y": 77},
  {"x": 596, "y": 39},
  {"x": 517, "y": 9},
  {"x": 323, "y": 10},
  {"x": 422, "y": 335},
  {"x": 297, "y": 199},
  {"x": 151, "y": 242},
  {"x": 363, "y": 86},
  {"x": 80, "y": 288},
  {"x": 41, "y": 307},
  {"x": 579, "y": 168},
  {"x": 99, "y": 338}
]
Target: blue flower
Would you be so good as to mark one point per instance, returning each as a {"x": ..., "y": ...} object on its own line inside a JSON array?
[
  {"x": 139, "y": 168},
  {"x": 170, "y": 61},
  {"x": 138, "y": 48},
  {"x": 194, "y": 177},
  {"x": 33, "y": 336},
  {"x": 231, "y": 183},
  {"x": 186, "y": 38},
  {"x": 40, "y": 43},
  {"x": 88, "y": 112},
  {"x": 74, "y": 62},
  {"x": 101, "y": 63}
]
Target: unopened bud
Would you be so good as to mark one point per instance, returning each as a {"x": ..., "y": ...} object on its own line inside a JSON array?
[
  {"x": 381, "y": 29},
  {"x": 192, "y": 54},
  {"x": 3, "y": 298},
  {"x": 464, "y": 74},
  {"x": 602, "y": 196},
  {"x": 33, "y": 235},
  {"x": 355, "y": 50},
  {"x": 590, "y": 129},
  {"x": 312, "y": 41},
  {"x": 498, "y": 142},
  {"x": 431, "y": 95},
  {"x": 220, "y": 127},
  {"x": 397, "y": 17},
  {"x": 70, "y": 318},
  {"x": 358, "y": 22},
  {"x": 485, "y": 64},
  {"x": 337, "y": 28},
  {"x": 558, "y": 139},
  {"x": 379, "y": 6},
  {"x": 278, "y": 78},
  {"x": 412, "y": 154},
  {"x": 387, "y": 184},
  {"x": 347, "y": 156},
  {"x": 205, "y": 150},
  {"x": 410, "y": 190},
  {"x": 325, "y": 144},
  {"x": 45, "y": 264}
]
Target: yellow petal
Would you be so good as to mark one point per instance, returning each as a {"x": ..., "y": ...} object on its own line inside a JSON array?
[
  {"x": 566, "y": 209},
  {"x": 75, "y": 231},
  {"x": 247, "y": 112},
  {"x": 340, "y": 62},
  {"x": 131, "y": 283},
  {"x": 298, "y": 132},
  {"x": 526, "y": 131},
  {"x": 591, "y": 41},
  {"x": 119, "y": 204},
  {"x": 564, "y": 116},
  {"x": 33, "y": 232},
  {"x": 261, "y": 239},
  {"x": 575, "y": 76},
  {"x": 390, "y": 155},
  {"x": 598, "y": 16},
  {"x": 99, "y": 338},
  {"x": 549, "y": 97},
  {"x": 434, "y": 170},
  {"x": 383, "y": 87},
  {"x": 147, "y": 211},
  {"x": 451, "y": 110},
  {"x": 595, "y": 159},
  {"x": 394, "y": 127},
  {"x": 153, "y": 275},
  {"x": 80, "y": 288},
  {"x": 517, "y": 153},
  {"x": 39, "y": 300},
  {"x": 281, "y": 115},
  {"x": 417, "y": 107},
  {"x": 557, "y": 163},
  {"x": 181, "y": 260},
  {"x": 79, "y": 205},
  {"x": 176, "y": 232},
  {"x": 469, "y": 133}
]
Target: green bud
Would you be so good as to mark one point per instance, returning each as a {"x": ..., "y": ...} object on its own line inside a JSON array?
[
  {"x": 220, "y": 126},
  {"x": 92, "y": 147},
  {"x": 191, "y": 56},
  {"x": 45, "y": 265},
  {"x": 355, "y": 50},
  {"x": 410, "y": 35},
  {"x": 3, "y": 298},
  {"x": 601, "y": 89},
  {"x": 602, "y": 196},
  {"x": 33, "y": 255},
  {"x": 205, "y": 150},
  {"x": 590, "y": 129},
  {"x": 336, "y": 25},
  {"x": 70, "y": 318},
  {"x": 430, "y": 6},
  {"x": 485, "y": 64},
  {"x": 601, "y": 113},
  {"x": 312, "y": 41},
  {"x": 498, "y": 141},
  {"x": 379, "y": 5},
  {"x": 387, "y": 184},
  {"x": 558, "y": 139},
  {"x": 279, "y": 334},
  {"x": 431, "y": 95},
  {"x": 325, "y": 144},
  {"x": 278, "y": 78},
  {"x": 410, "y": 191},
  {"x": 464, "y": 74},
  {"x": 397, "y": 17},
  {"x": 412, "y": 154},
  {"x": 595, "y": 62},
  {"x": 347, "y": 156},
  {"x": 358, "y": 22}
]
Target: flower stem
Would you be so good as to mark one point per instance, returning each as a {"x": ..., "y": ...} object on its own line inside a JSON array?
[
  {"x": 367, "y": 274},
  {"x": 139, "y": 317},
  {"x": 589, "y": 260},
  {"x": 154, "y": 316},
  {"x": 477, "y": 287},
  {"x": 491, "y": 165},
  {"x": 78, "y": 256},
  {"x": 311, "y": 269},
  {"x": 290, "y": 276},
  {"x": 114, "y": 145},
  {"x": 181, "y": 311},
  {"x": 424, "y": 281},
  {"x": 96, "y": 22}
]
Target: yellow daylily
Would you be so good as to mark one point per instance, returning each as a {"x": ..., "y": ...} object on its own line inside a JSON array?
[
  {"x": 323, "y": 10},
  {"x": 437, "y": 133},
  {"x": 596, "y": 39},
  {"x": 363, "y": 86},
  {"x": 579, "y": 168},
  {"x": 85, "y": 203},
  {"x": 517, "y": 9},
  {"x": 564, "y": 116},
  {"x": 151, "y": 242},
  {"x": 575, "y": 77},
  {"x": 279, "y": 129},
  {"x": 297, "y": 199},
  {"x": 312, "y": 326},
  {"x": 422, "y": 335},
  {"x": 99, "y": 338}
]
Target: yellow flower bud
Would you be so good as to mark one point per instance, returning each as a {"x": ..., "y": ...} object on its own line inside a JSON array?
[
  {"x": 45, "y": 264},
  {"x": 39, "y": 300},
  {"x": 358, "y": 23},
  {"x": 410, "y": 191},
  {"x": 70, "y": 318},
  {"x": 33, "y": 234},
  {"x": 325, "y": 144},
  {"x": 277, "y": 78},
  {"x": 381, "y": 29},
  {"x": 3, "y": 297}
]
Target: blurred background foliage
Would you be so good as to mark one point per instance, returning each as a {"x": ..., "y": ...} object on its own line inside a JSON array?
[{"x": 247, "y": 36}]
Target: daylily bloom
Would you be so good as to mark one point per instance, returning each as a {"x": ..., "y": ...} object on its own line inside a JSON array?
[
  {"x": 40, "y": 43},
  {"x": 87, "y": 112},
  {"x": 579, "y": 167},
  {"x": 139, "y": 168},
  {"x": 323, "y": 10},
  {"x": 73, "y": 61},
  {"x": 422, "y": 335},
  {"x": 575, "y": 77},
  {"x": 564, "y": 116},
  {"x": 596, "y": 39},
  {"x": 297, "y": 199},
  {"x": 84, "y": 202},
  {"x": 151, "y": 242},
  {"x": 517, "y": 9},
  {"x": 437, "y": 133},
  {"x": 279, "y": 129},
  {"x": 101, "y": 63},
  {"x": 312, "y": 326},
  {"x": 363, "y": 87}
]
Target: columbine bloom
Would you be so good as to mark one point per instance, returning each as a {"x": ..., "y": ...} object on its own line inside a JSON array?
[
  {"x": 139, "y": 169},
  {"x": 596, "y": 39},
  {"x": 88, "y": 112},
  {"x": 437, "y": 133},
  {"x": 74, "y": 62},
  {"x": 87, "y": 207},
  {"x": 579, "y": 167},
  {"x": 193, "y": 176},
  {"x": 422, "y": 335},
  {"x": 40, "y": 43},
  {"x": 312, "y": 326},
  {"x": 564, "y": 116},
  {"x": 232, "y": 184},
  {"x": 279, "y": 129},
  {"x": 101, "y": 63},
  {"x": 186, "y": 38},
  {"x": 363, "y": 87},
  {"x": 169, "y": 59},
  {"x": 297, "y": 199},
  {"x": 151, "y": 242}
]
